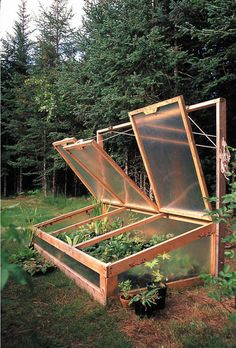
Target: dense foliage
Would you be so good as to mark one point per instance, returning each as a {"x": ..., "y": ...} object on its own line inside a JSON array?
[{"x": 127, "y": 54}]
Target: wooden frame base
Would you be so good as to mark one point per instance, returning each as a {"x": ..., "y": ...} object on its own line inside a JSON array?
[{"x": 108, "y": 272}]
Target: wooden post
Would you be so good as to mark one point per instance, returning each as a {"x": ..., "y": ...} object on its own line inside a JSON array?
[
  {"x": 100, "y": 139},
  {"x": 108, "y": 286},
  {"x": 220, "y": 179}
]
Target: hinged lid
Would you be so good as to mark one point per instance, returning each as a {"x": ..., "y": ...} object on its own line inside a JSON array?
[
  {"x": 167, "y": 147},
  {"x": 101, "y": 175}
]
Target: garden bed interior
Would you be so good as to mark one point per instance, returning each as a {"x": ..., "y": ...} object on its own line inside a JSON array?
[{"x": 110, "y": 241}]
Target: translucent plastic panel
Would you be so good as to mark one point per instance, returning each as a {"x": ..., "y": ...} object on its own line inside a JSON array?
[
  {"x": 92, "y": 185},
  {"x": 76, "y": 266},
  {"x": 165, "y": 147},
  {"x": 140, "y": 238},
  {"x": 186, "y": 262},
  {"x": 92, "y": 158},
  {"x": 70, "y": 220},
  {"x": 101, "y": 226}
]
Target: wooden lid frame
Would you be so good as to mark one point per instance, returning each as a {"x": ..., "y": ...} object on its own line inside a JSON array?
[
  {"x": 67, "y": 149},
  {"x": 153, "y": 110}
]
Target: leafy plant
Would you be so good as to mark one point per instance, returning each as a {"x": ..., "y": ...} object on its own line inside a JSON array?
[
  {"x": 224, "y": 285},
  {"x": 125, "y": 287},
  {"x": 155, "y": 265},
  {"x": 37, "y": 265},
  {"x": 121, "y": 246},
  {"x": 146, "y": 297},
  {"x": 72, "y": 240},
  {"x": 9, "y": 270},
  {"x": 30, "y": 261}
]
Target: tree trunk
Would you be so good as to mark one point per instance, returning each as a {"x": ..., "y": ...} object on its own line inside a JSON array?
[
  {"x": 151, "y": 193},
  {"x": 4, "y": 185},
  {"x": 65, "y": 186},
  {"x": 20, "y": 181},
  {"x": 126, "y": 163},
  {"x": 176, "y": 73},
  {"x": 75, "y": 185},
  {"x": 144, "y": 182},
  {"x": 44, "y": 178},
  {"x": 44, "y": 184},
  {"x": 135, "y": 176},
  {"x": 54, "y": 181},
  {"x": 141, "y": 180}
]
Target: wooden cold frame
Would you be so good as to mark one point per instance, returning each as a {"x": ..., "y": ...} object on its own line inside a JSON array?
[{"x": 109, "y": 272}]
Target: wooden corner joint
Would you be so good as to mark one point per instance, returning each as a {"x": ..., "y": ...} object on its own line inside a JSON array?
[{"x": 108, "y": 271}]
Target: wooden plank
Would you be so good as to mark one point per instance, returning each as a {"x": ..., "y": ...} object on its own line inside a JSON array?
[
  {"x": 153, "y": 106},
  {"x": 64, "y": 141},
  {"x": 188, "y": 282},
  {"x": 83, "y": 283},
  {"x": 100, "y": 139},
  {"x": 186, "y": 213},
  {"x": 116, "y": 127},
  {"x": 84, "y": 222},
  {"x": 76, "y": 171},
  {"x": 87, "y": 260},
  {"x": 96, "y": 178},
  {"x": 121, "y": 230},
  {"x": 109, "y": 286},
  {"x": 194, "y": 153},
  {"x": 187, "y": 219},
  {"x": 164, "y": 247},
  {"x": 220, "y": 181},
  {"x": 190, "y": 108},
  {"x": 65, "y": 216},
  {"x": 132, "y": 207},
  {"x": 202, "y": 105},
  {"x": 176, "y": 284}
]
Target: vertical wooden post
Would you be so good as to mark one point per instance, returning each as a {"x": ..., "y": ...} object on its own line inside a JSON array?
[
  {"x": 108, "y": 286},
  {"x": 220, "y": 180},
  {"x": 100, "y": 139}
]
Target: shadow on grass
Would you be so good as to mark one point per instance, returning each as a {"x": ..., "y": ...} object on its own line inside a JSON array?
[{"x": 56, "y": 314}]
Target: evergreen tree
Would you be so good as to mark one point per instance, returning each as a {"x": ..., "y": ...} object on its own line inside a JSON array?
[
  {"x": 55, "y": 48},
  {"x": 56, "y": 40},
  {"x": 15, "y": 66}
]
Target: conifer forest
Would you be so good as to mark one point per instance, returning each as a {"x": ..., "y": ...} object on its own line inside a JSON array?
[{"x": 60, "y": 81}]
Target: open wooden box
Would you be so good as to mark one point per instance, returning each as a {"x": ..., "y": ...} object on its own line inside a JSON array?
[{"x": 167, "y": 147}]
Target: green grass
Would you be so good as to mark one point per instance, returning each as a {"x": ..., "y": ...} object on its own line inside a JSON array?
[{"x": 57, "y": 313}]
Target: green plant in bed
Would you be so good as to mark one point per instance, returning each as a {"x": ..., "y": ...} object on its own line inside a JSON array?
[
  {"x": 123, "y": 245},
  {"x": 90, "y": 231}
]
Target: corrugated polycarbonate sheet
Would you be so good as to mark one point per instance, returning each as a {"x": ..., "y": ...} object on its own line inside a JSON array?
[
  {"x": 168, "y": 159},
  {"x": 97, "y": 190},
  {"x": 104, "y": 169}
]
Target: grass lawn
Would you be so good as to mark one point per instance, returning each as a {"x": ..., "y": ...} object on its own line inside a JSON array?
[{"x": 56, "y": 313}]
